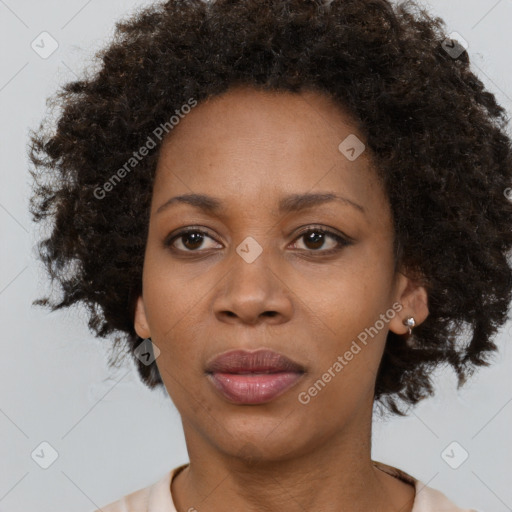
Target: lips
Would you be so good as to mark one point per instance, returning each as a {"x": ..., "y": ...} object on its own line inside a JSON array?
[
  {"x": 260, "y": 361},
  {"x": 256, "y": 377}
]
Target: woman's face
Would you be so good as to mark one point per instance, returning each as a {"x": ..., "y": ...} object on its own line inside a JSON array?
[{"x": 264, "y": 275}]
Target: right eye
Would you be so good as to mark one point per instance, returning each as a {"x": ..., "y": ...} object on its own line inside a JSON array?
[{"x": 190, "y": 239}]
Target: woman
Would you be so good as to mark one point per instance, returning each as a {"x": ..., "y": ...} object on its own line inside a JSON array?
[{"x": 279, "y": 203}]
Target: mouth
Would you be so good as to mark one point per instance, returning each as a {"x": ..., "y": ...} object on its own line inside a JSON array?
[{"x": 257, "y": 377}]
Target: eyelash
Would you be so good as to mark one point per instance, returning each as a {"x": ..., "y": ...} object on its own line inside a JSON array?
[{"x": 341, "y": 240}]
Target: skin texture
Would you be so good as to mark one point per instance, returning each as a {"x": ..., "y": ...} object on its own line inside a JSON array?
[{"x": 249, "y": 149}]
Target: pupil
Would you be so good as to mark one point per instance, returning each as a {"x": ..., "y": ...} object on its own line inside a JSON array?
[
  {"x": 198, "y": 240},
  {"x": 316, "y": 239}
]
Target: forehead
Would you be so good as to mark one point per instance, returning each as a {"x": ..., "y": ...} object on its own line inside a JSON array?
[{"x": 258, "y": 145}]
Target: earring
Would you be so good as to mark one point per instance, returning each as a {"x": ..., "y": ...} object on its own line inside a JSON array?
[{"x": 410, "y": 323}]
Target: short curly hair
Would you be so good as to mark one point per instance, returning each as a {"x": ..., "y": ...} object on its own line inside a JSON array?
[{"x": 437, "y": 138}]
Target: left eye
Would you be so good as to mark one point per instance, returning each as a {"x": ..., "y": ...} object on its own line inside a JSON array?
[{"x": 315, "y": 238}]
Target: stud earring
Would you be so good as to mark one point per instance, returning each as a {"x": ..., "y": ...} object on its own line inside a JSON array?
[{"x": 410, "y": 323}]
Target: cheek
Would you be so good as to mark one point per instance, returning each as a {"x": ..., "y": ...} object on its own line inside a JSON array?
[
  {"x": 171, "y": 306},
  {"x": 347, "y": 317},
  {"x": 349, "y": 341},
  {"x": 172, "y": 292},
  {"x": 350, "y": 296}
]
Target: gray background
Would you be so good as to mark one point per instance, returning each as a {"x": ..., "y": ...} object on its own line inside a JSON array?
[{"x": 112, "y": 435}]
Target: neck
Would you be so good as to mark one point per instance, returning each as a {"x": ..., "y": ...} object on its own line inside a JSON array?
[{"x": 337, "y": 474}]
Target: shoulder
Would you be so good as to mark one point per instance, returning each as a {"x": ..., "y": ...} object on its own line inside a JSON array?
[
  {"x": 432, "y": 500},
  {"x": 154, "y": 498},
  {"x": 135, "y": 501},
  {"x": 427, "y": 499}
]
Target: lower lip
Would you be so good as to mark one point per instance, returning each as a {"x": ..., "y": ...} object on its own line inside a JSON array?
[{"x": 255, "y": 388}]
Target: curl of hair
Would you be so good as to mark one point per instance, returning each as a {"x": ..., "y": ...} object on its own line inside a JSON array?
[{"x": 436, "y": 135}]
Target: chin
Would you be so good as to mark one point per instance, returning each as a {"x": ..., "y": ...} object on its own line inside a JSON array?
[{"x": 264, "y": 438}]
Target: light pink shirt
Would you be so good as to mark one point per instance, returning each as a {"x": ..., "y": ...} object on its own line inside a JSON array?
[{"x": 158, "y": 498}]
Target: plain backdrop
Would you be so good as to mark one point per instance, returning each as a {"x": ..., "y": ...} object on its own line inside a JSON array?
[{"x": 108, "y": 434}]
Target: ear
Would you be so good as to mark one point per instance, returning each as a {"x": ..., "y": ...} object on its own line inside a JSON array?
[
  {"x": 414, "y": 300},
  {"x": 140, "y": 320}
]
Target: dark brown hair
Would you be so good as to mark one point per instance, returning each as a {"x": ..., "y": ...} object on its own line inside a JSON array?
[{"x": 437, "y": 138}]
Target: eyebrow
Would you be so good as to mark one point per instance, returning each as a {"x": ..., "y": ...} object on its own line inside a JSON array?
[{"x": 288, "y": 204}]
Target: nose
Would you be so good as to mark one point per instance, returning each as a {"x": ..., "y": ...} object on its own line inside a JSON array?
[{"x": 252, "y": 293}]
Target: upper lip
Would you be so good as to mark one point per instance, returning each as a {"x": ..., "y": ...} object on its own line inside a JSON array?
[{"x": 259, "y": 361}]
